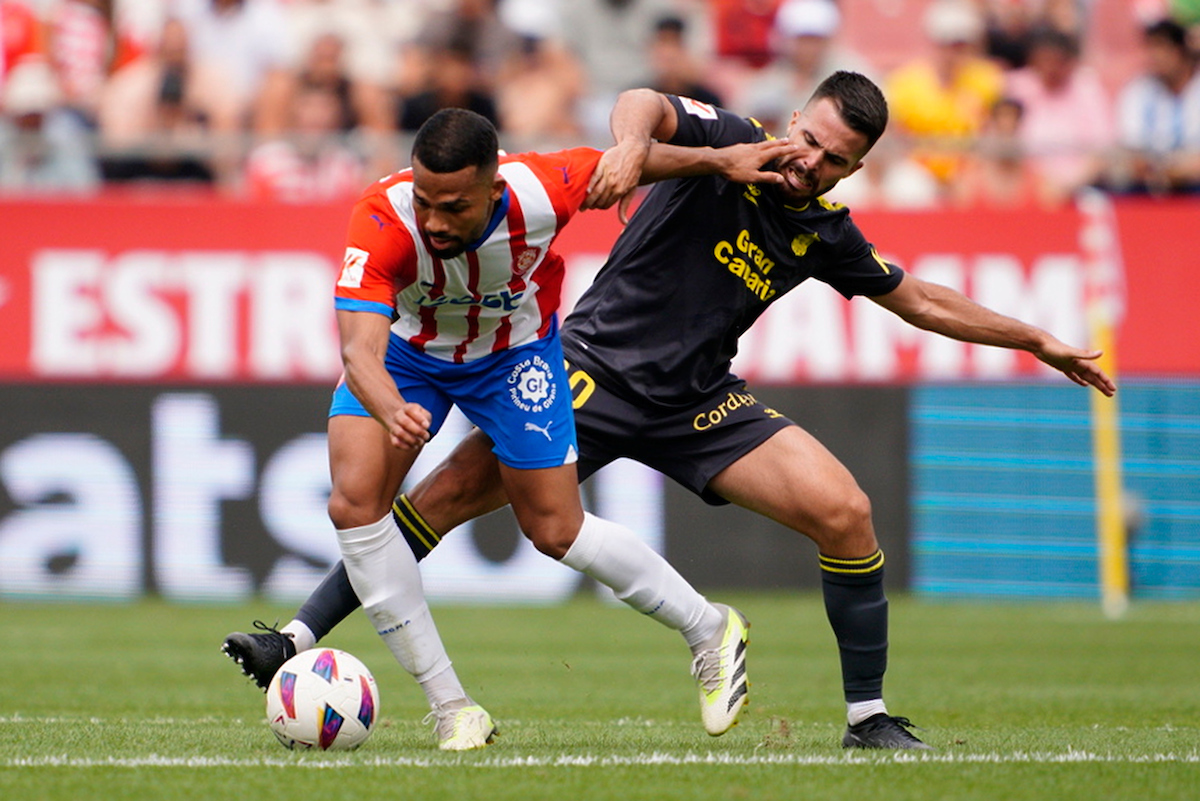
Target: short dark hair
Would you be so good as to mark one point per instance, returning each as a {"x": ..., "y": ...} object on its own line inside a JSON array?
[
  {"x": 1169, "y": 31},
  {"x": 860, "y": 103},
  {"x": 454, "y": 139}
]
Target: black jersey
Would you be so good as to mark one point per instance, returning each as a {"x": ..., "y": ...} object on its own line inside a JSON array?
[{"x": 701, "y": 259}]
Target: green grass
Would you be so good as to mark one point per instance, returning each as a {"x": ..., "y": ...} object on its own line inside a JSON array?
[{"x": 1021, "y": 702}]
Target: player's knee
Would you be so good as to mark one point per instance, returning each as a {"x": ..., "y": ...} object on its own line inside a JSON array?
[
  {"x": 846, "y": 522},
  {"x": 340, "y": 510},
  {"x": 552, "y": 540},
  {"x": 346, "y": 511}
]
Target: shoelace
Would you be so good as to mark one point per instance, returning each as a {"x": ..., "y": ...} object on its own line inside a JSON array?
[
  {"x": 443, "y": 720},
  {"x": 261, "y": 626},
  {"x": 905, "y": 722},
  {"x": 898, "y": 720},
  {"x": 706, "y": 668}
]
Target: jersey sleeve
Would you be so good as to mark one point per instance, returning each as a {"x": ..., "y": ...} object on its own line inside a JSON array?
[
  {"x": 858, "y": 269},
  {"x": 565, "y": 174},
  {"x": 380, "y": 258},
  {"x": 700, "y": 125}
]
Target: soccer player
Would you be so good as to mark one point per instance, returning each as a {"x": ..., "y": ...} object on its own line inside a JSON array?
[
  {"x": 650, "y": 345},
  {"x": 447, "y": 296}
]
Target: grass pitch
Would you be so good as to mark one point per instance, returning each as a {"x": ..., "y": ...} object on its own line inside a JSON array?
[{"x": 1020, "y": 701}]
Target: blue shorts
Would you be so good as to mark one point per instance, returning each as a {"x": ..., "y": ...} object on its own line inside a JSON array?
[{"x": 519, "y": 397}]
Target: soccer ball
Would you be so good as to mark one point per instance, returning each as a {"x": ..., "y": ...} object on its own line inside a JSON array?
[{"x": 322, "y": 698}]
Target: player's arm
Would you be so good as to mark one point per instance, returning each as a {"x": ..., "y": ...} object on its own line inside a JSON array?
[
  {"x": 639, "y": 117},
  {"x": 741, "y": 163},
  {"x": 641, "y": 121},
  {"x": 937, "y": 308},
  {"x": 364, "y": 338}
]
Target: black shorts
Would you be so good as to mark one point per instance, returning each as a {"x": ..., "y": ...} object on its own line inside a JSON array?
[{"x": 688, "y": 445}]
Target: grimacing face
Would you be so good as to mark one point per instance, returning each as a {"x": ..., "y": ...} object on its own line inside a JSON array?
[
  {"x": 829, "y": 150},
  {"x": 453, "y": 208}
]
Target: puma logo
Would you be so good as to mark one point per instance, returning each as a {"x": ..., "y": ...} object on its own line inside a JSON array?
[{"x": 534, "y": 427}]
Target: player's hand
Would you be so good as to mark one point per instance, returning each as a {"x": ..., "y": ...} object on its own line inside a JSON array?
[
  {"x": 408, "y": 427},
  {"x": 1078, "y": 365},
  {"x": 751, "y": 162},
  {"x": 617, "y": 175}
]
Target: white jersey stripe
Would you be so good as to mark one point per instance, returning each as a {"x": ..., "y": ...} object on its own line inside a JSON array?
[{"x": 450, "y": 292}]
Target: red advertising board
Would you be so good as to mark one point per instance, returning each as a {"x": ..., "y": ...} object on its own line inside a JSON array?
[{"x": 197, "y": 289}]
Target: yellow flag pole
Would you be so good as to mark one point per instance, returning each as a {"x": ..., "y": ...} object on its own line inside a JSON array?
[
  {"x": 1106, "y": 458},
  {"x": 1101, "y": 248}
]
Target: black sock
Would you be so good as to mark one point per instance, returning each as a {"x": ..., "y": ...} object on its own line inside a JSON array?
[
  {"x": 334, "y": 600},
  {"x": 857, "y": 611},
  {"x": 420, "y": 535},
  {"x": 330, "y": 603}
]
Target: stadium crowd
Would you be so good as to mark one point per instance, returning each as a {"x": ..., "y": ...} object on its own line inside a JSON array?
[{"x": 993, "y": 102}]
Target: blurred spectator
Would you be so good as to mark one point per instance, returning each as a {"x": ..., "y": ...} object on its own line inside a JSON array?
[
  {"x": 312, "y": 163},
  {"x": 42, "y": 150},
  {"x": 20, "y": 35},
  {"x": 806, "y": 41},
  {"x": 1008, "y": 26},
  {"x": 245, "y": 40},
  {"x": 360, "y": 103},
  {"x": 478, "y": 26},
  {"x": 538, "y": 95},
  {"x": 743, "y": 30},
  {"x": 940, "y": 102},
  {"x": 673, "y": 68},
  {"x": 82, "y": 46},
  {"x": 455, "y": 84},
  {"x": 1067, "y": 128},
  {"x": 362, "y": 29},
  {"x": 365, "y": 107},
  {"x": 997, "y": 174},
  {"x": 1158, "y": 114},
  {"x": 611, "y": 39},
  {"x": 167, "y": 117}
]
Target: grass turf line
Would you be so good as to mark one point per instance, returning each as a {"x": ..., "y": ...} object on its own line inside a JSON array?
[{"x": 1021, "y": 701}]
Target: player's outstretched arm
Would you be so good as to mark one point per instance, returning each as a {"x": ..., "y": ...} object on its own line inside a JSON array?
[
  {"x": 1078, "y": 365},
  {"x": 938, "y": 308}
]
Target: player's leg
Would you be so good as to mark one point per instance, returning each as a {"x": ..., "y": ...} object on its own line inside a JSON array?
[
  {"x": 367, "y": 471},
  {"x": 465, "y": 485},
  {"x": 546, "y": 503},
  {"x": 793, "y": 479}
]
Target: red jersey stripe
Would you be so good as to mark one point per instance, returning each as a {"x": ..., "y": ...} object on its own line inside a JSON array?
[{"x": 473, "y": 312}]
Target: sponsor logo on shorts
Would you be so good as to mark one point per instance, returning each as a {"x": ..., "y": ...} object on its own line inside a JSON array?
[
  {"x": 545, "y": 431},
  {"x": 531, "y": 385},
  {"x": 731, "y": 403}
]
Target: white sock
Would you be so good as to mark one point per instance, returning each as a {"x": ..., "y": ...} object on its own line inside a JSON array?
[
  {"x": 384, "y": 574},
  {"x": 639, "y": 576},
  {"x": 301, "y": 634},
  {"x": 858, "y": 711},
  {"x": 445, "y": 691}
]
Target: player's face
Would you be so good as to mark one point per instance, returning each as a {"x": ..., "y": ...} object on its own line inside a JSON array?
[
  {"x": 829, "y": 150},
  {"x": 453, "y": 208}
]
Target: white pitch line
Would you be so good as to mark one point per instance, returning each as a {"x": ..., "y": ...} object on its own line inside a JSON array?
[{"x": 593, "y": 760}]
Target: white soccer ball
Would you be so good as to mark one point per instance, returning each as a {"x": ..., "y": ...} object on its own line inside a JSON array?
[{"x": 322, "y": 698}]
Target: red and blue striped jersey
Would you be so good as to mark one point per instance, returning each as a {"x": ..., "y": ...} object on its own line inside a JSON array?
[{"x": 502, "y": 292}]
